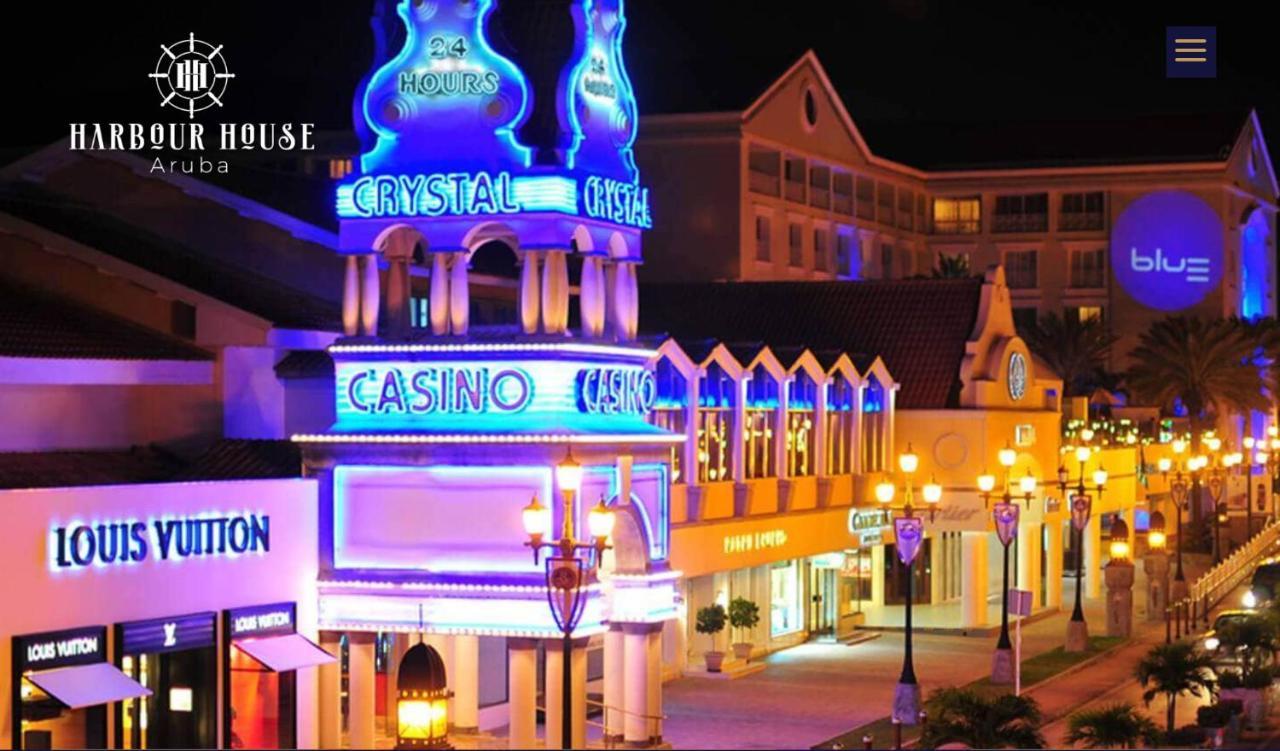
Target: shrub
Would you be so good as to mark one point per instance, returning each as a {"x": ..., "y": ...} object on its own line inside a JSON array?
[
  {"x": 711, "y": 619},
  {"x": 743, "y": 613},
  {"x": 1230, "y": 679},
  {"x": 1259, "y": 677},
  {"x": 1213, "y": 716}
]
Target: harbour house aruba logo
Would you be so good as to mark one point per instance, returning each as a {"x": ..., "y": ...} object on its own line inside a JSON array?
[{"x": 191, "y": 75}]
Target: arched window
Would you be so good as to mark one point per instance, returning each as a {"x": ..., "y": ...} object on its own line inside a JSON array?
[
  {"x": 802, "y": 405},
  {"x": 874, "y": 426},
  {"x": 669, "y": 410},
  {"x": 717, "y": 397},
  {"x": 759, "y": 432},
  {"x": 840, "y": 425},
  {"x": 1253, "y": 266}
]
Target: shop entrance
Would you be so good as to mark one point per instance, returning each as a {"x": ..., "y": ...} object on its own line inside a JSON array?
[
  {"x": 176, "y": 658},
  {"x": 823, "y": 599}
]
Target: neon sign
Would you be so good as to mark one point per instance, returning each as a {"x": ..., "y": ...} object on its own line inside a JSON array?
[
  {"x": 612, "y": 391},
  {"x": 442, "y": 81},
  {"x": 597, "y": 98},
  {"x": 617, "y": 202},
  {"x": 126, "y": 542},
  {"x": 447, "y": 390},
  {"x": 1166, "y": 250}
]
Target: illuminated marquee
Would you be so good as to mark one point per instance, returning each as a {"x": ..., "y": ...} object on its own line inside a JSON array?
[
  {"x": 447, "y": 390},
  {"x": 617, "y": 202},
  {"x": 612, "y": 391}
]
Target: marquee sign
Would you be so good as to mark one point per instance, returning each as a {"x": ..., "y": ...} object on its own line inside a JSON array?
[
  {"x": 119, "y": 543},
  {"x": 1166, "y": 250}
]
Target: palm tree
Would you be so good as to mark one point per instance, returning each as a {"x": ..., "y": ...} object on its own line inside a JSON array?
[
  {"x": 952, "y": 267},
  {"x": 1173, "y": 670},
  {"x": 966, "y": 716},
  {"x": 1076, "y": 350},
  {"x": 1254, "y": 638},
  {"x": 1115, "y": 726}
]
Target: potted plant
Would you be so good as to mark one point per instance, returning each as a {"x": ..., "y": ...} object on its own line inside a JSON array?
[
  {"x": 711, "y": 621},
  {"x": 743, "y": 615}
]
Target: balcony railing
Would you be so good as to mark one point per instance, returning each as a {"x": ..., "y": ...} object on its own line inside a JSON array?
[
  {"x": 842, "y": 203},
  {"x": 1021, "y": 223},
  {"x": 762, "y": 182},
  {"x": 1081, "y": 221},
  {"x": 820, "y": 197},
  {"x": 795, "y": 191}
]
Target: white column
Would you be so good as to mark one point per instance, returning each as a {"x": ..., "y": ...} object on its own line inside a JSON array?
[
  {"x": 530, "y": 292},
  {"x": 466, "y": 682},
  {"x": 552, "y": 691},
  {"x": 370, "y": 296},
  {"x": 591, "y": 303},
  {"x": 636, "y": 655},
  {"x": 555, "y": 293},
  {"x": 867, "y": 254},
  {"x": 361, "y": 689},
  {"x": 877, "y": 575},
  {"x": 443, "y": 644},
  {"x": 330, "y": 700},
  {"x": 1029, "y": 551},
  {"x": 1053, "y": 564},
  {"x": 522, "y": 692},
  {"x": 614, "y": 682},
  {"x": 438, "y": 302},
  {"x": 973, "y": 585},
  {"x": 632, "y": 308},
  {"x": 459, "y": 296},
  {"x": 578, "y": 702},
  {"x": 351, "y": 297},
  {"x": 653, "y": 699},
  {"x": 937, "y": 558},
  {"x": 1093, "y": 557}
]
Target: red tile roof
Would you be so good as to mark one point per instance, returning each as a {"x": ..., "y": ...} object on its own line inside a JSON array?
[
  {"x": 918, "y": 326},
  {"x": 245, "y": 459},
  {"x": 51, "y": 469}
]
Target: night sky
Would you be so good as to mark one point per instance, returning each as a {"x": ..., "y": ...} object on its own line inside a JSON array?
[{"x": 892, "y": 60}]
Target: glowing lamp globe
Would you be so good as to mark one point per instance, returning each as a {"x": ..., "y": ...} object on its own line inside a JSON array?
[
  {"x": 1213, "y": 442},
  {"x": 1179, "y": 446},
  {"x": 1260, "y": 457},
  {"x": 986, "y": 483},
  {"x": 569, "y": 474},
  {"x": 908, "y": 461},
  {"x": 536, "y": 519},
  {"x": 1087, "y": 434},
  {"x": 1100, "y": 477},
  {"x": 422, "y": 700},
  {"x": 1273, "y": 431},
  {"x": 1275, "y": 444},
  {"x": 1007, "y": 456},
  {"x": 1027, "y": 484},
  {"x": 600, "y": 521},
  {"x": 1082, "y": 454},
  {"x": 884, "y": 492},
  {"x": 1164, "y": 464},
  {"x": 932, "y": 492},
  {"x": 1119, "y": 540},
  {"x": 1156, "y": 539},
  {"x": 1248, "y": 442}
]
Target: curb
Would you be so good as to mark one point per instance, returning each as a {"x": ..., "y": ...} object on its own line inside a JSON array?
[{"x": 1075, "y": 669}]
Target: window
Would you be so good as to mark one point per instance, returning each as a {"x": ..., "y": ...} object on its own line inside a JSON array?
[
  {"x": 886, "y": 261},
  {"x": 795, "y": 179},
  {"x": 784, "y": 598},
  {"x": 820, "y": 187},
  {"x": 419, "y": 313},
  {"x": 866, "y": 198},
  {"x": 1086, "y": 313},
  {"x": 840, "y": 424},
  {"x": 821, "y": 247},
  {"x": 1024, "y": 213},
  {"x": 810, "y": 109},
  {"x": 669, "y": 409},
  {"x": 884, "y": 199},
  {"x": 842, "y": 193},
  {"x": 802, "y": 405},
  {"x": 1082, "y": 211},
  {"x": 764, "y": 248},
  {"x": 1020, "y": 269},
  {"x": 921, "y": 220},
  {"x": 795, "y": 244},
  {"x": 1024, "y": 319},
  {"x": 759, "y": 432},
  {"x": 848, "y": 262},
  {"x": 716, "y": 401},
  {"x": 339, "y": 168},
  {"x": 874, "y": 426},
  {"x": 1087, "y": 269},
  {"x": 764, "y": 168},
  {"x": 957, "y": 216},
  {"x": 906, "y": 218}
]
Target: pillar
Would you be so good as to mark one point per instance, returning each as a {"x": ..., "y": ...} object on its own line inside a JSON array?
[
  {"x": 459, "y": 296},
  {"x": 555, "y": 293},
  {"x": 591, "y": 296},
  {"x": 973, "y": 584},
  {"x": 398, "y": 294},
  {"x": 551, "y": 692},
  {"x": 1053, "y": 562},
  {"x": 530, "y": 292},
  {"x": 867, "y": 252},
  {"x": 361, "y": 689},
  {"x": 578, "y": 702},
  {"x": 1119, "y": 575},
  {"x": 1156, "y": 565},
  {"x": 522, "y": 692},
  {"x": 351, "y": 297},
  {"x": 370, "y": 296},
  {"x": 877, "y": 575},
  {"x": 438, "y": 301},
  {"x": 636, "y": 654},
  {"x": 330, "y": 699},
  {"x": 937, "y": 558},
  {"x": 653, "y": 704},
  {"x": 625, "y": 305},
  {"x": 554, "y": 692},
  {"x": 466, "y": 683},
  {"x": 633, "y": 301},
  {"x": 614, "y": 682},
  {"x": 1030, "y": 546},
  {"x": 1093, "y": 557}
]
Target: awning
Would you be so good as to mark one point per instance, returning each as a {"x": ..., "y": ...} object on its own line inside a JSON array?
[
  {"x": 285, "y": 652},
  {"x": 88, "y": 685}
]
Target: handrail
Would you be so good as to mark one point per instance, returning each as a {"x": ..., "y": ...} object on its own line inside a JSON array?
[
  {"x": 1217, "y": 582},
  {"x": 602, "y": 705}
]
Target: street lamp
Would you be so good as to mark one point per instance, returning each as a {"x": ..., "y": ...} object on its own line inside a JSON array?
[
  {"x": 422, "y": 701},
  {"x": 566, "y": 572},
  {"x": 908, "y": 530},
  {"x": 1006, "y": 514},
  {"x": 1081, "y": 507},
  {"x": 1155, "y": 532},
  {"x": 1180, "y": 496}
]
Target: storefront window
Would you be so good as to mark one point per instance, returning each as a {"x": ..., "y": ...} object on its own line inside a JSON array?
[
  {"x": 802, "y": 401},
  {"x": 716, "y": 401},
  {"x": 176, "y": 658},
  {"x": 855, "y": 580},
  {"x": 759, "y": 432},
  {"x": 670, "y": 409},
  {"x": 784, "y": 594},
  {"x": 259, "y": 700},
  {"x": 840, "y": 423},
  {"x": 874, "y": 428},
  {"x": 895, "y": 576}
]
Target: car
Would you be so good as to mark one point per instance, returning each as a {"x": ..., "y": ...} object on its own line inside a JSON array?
[
  {"x": 1264, "y": 585},
  {"x": 1210, "y": 643}
]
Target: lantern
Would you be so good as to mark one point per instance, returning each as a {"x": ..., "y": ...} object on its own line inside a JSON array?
[
  {"x": 569, "y": 474},
  {"x": 1119, "y": 540},
  {"x": 909, "y": 461},
  {"x": 1164, "y": 464},
  {"x": 536, "y": 519},
  {"x": 600, "y": 522},
  {"x": 422, "y": 700},
  {"x": 1155, "y": 532},
  {"x": 1007, "y": 456}
]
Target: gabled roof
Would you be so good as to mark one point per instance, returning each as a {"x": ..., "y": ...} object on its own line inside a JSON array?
[
  {"x": 305, "y": 363},
  {"x": 245, "y": 459},
  {"x": 918, "y": 326},
  {"x": 35, "y": 325},
  {"x": 51, "y": 469}
]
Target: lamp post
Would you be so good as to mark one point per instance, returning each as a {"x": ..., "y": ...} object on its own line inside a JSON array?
[
  {"x": 1248, "y": 458},
  {"x": 1156, "y": 565},
  {"x": 1180, "y": 496},
  {"x": 1217, "y": 487},
  {"x": 566, "y": 572},
  {"x": 1005, "y": 513},
  {"x": 422, "y": 701},
  {"x": 1081, "y": 507},
  {"x": 908, "y": 532}
]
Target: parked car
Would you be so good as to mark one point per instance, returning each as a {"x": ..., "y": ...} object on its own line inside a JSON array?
[
  {"x": 1210, "y": 643},
  {"x": 1265, "y": 584}
]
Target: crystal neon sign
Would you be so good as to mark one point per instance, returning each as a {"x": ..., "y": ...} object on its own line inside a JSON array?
[{"x": 617, "y": 202}]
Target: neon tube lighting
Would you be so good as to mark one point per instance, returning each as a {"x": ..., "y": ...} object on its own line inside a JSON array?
[{"x": 484, "y": 438}]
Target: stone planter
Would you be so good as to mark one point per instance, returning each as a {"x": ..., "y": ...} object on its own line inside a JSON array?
[
  {"x": 742, "y": 650},
  {"x": 714, "y": 660}
]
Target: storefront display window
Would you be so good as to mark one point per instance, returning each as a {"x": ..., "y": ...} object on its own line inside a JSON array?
[
  {"x": 840, "y": 424},
  {"x": 759, "y": 432},
  {"x": 855, "y": 580},
  {"x": 670, "y": 408},
  {"x": 874, "y": 426},
  {"x": 176, "y": 659},
  {"x": 784, "y": 599},
  {"x": 802, "y": 402},
  {"x": 716, "y": 402}
]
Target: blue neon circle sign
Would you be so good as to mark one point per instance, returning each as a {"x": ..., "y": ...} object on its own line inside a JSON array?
[{"x": 1166, "y": 250}]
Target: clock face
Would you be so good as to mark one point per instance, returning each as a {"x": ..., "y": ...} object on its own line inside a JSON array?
[{"x": 1017, "y": 376}]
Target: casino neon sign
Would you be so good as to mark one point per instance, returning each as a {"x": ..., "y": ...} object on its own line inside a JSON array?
[{"x": 446, "y": 390}]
